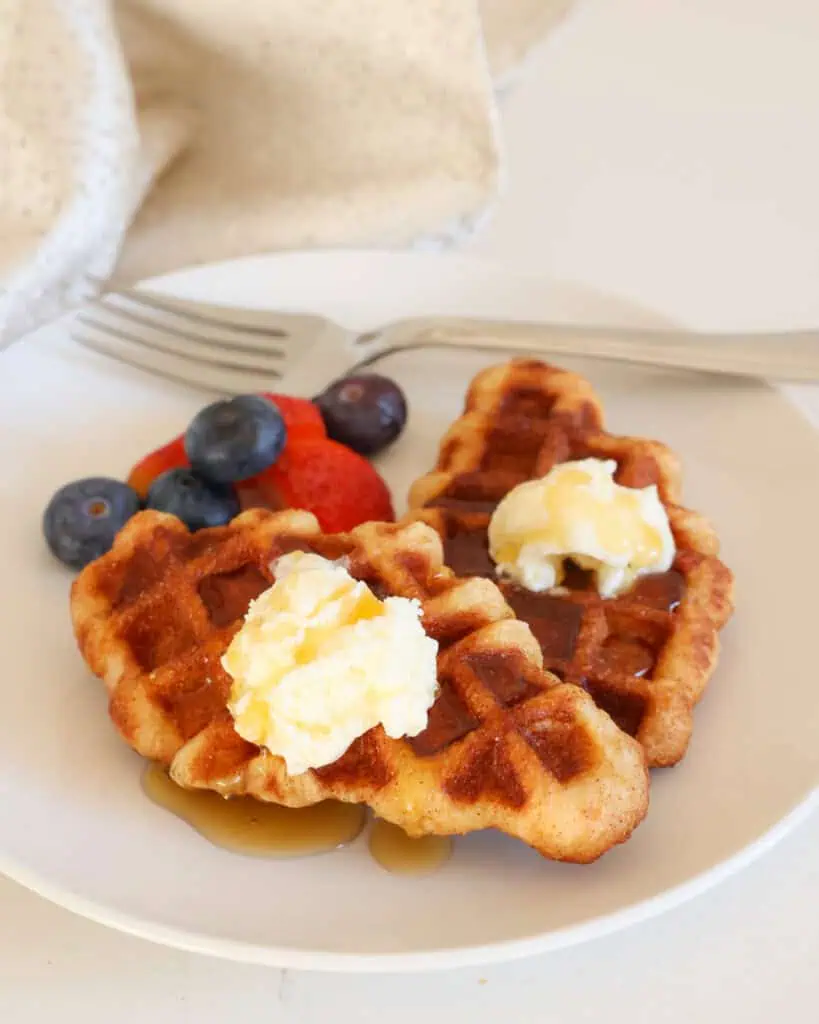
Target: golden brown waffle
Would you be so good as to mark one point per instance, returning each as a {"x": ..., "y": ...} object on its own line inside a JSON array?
[
  {"x": 645, "y": 656},
  {"x": 506, "y": 746}
]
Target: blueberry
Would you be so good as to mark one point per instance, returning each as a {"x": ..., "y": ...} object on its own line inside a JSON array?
[
  {"x": 233, "y": 440},
  {"x": 82, "y": 519},
  {"x": 196, "y": 501},
  {"x": 366, "y": 412}
]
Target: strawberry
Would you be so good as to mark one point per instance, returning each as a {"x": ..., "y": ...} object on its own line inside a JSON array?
[
  {"x": 169, "y": 456},
  {"x": 333, "y": 482},
  {"x": 301, "y": 417}
]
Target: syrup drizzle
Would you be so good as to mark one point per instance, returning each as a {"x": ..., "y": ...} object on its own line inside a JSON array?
[
  {"x": 394, "y": 850},
  {"x": 252, "y": 827},
  {"x": 258, "y": 829}
]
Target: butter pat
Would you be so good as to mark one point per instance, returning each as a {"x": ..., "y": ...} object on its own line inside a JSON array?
[
  {"x": 578, "y": 512},
  {"x": 320, "y": 660}
]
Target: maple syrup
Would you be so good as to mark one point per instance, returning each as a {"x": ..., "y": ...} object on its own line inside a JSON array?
[
  {"x": 252, "y": 827},
  {"x": 249, "y": 826},
  {"x": 395, "y": 851}
]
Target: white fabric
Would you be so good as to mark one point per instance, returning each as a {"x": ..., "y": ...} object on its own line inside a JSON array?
[{"x": 207, "y": 129}]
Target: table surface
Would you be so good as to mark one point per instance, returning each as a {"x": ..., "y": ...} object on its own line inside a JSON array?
[{"x": 664, "y": 150}]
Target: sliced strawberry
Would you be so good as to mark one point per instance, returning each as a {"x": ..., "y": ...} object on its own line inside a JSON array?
[
  {"x": 169, "y": 456},
  {"x": 302, "y": 418},
  {"x": 336, "y": 484}
]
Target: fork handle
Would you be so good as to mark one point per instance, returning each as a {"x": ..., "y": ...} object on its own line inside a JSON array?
[{"x": 787, "y": 355}]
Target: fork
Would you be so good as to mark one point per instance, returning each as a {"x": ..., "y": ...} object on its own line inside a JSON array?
[{"x": 231, "y": 351}]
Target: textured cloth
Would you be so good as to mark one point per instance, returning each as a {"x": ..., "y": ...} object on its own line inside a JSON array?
[{"x": 141, "y": 136}]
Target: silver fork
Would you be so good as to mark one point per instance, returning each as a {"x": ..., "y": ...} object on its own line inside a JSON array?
[{"x": 230, "y": 350}]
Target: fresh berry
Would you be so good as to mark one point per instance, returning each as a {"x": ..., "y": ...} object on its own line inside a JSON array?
[
  {"x": 169, "y": 456},
  {"x": 301, "y": 417},
  {"x": 82, "y": 519},
  {"x": 366, "y": 412},
  {"x": 337, "y": 485},
  {"x": 235, "y": 439},
  {"x": 196, "y": 501}
]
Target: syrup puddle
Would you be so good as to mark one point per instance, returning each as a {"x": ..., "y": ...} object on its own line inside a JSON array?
[
  {"x": 258, "y": 829},
  {"x": 249, "y": 826},
  {"x": 395, "y": 851}
]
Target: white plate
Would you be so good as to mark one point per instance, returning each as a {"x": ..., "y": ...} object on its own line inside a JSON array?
[{"x": 75, "y": 825}]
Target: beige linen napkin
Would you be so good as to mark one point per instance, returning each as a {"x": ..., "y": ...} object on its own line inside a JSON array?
[{"x": 140, "y": 136}]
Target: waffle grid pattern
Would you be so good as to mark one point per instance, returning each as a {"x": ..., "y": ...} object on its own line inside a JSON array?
[
  {"x": 645, "y": 656},
  {"x": 507, "y": 745}
]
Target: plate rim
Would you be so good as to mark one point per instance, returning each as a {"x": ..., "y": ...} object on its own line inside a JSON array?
[{"x": 288, "y": 957}]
